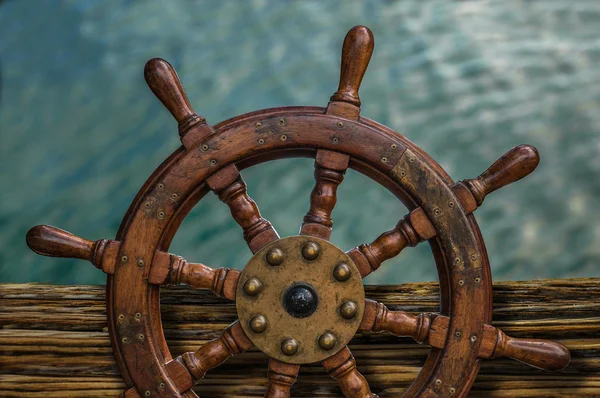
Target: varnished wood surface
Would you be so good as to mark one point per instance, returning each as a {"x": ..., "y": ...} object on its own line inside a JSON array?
[{"x": 54, "y": 342}]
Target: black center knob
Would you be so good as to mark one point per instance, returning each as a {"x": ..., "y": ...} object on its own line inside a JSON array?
[{"x": 300, "y": 301}]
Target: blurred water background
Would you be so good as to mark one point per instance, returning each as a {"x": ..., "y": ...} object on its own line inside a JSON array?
[{"x": 80, "y": 132}]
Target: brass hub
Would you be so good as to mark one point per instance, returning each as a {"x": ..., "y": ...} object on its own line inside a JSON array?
[{"x": 310, "y": 302}]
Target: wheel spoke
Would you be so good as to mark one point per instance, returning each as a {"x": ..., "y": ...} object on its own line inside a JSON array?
[
  {"x": 170, "y": 269},
  {"x": 281, "y": 378},
  {"x": 231, "y": 188},
  {"x": 415, "y": 227},
  {"x": 342, "y": 367},
  {"x": 188, "y": 368},
  {"x": 330, "y": 168},
  {"x": 432, "y": 329}
]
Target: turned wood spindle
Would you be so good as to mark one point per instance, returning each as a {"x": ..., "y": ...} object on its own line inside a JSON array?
[
  {"x": 231, "y": 189},
  {"x": 330, "y": 168},
  {"x": 342, "y": 367},
  {"x": 356, "y": 54},
  {"x": 414, "y": 228},
  {"x": 377, "y": 317},
  {"x": 54, "y": 242},
  {"x": 221, "y": 281},
  {"x": 281, "y": 378},
  {"x": 433, "y": 329},
  {"x": 541, "y": 354},
  {"x": 514, "y": 165},
  {"x": 166, "y": 86},
  {"x": 232, "y": 342}
]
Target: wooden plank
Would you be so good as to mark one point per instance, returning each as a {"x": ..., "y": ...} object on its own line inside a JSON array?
[{"x": 54, "y": 342}]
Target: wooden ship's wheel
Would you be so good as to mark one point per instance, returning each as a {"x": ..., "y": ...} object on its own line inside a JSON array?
[{"x": 300, "y": 299}]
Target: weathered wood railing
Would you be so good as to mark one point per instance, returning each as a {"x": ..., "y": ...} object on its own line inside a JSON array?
[{"x": 54, "y": 342}]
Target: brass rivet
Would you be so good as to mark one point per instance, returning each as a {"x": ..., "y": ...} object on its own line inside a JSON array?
[
  {"x": 335, "y": 140},
  {"x": 213, "y": 162},
  {"x": 138, "y": 315},
  {"x": 147, "y": 393},
  {"x": 438, "y": 382},
  {"x": 341, "y": 272},
  {"x": 160, "y": 186},
  {"x": 281, "y": 122},
  {"x": 457, "y": 334},
  {"x": 289, "y": 346},
  {"x": 258, "y": 324},
  {"x": 473, "y": 339},
  {"x": 161, "y": 214},
  {"x": 437, "y": 212},
  {"x": 261, "y": 141},
  {"x": 174, "y": 196},
  {"x": 141, "y": 337},
  {"x": 411, "y": 160},
  {"x": 253, "y": 287},
  {"x": 275, "y": 257},
  {"x": 402, "y": 173},
  {"x": 340, "y": 124},
  {"x": 327, "y": 341},
  {"x": 205, "y": 147},
  {"x": 140, "y": 263},
  {"x": 451, "y": 205},
  {"x": 394, "y": 146},
  {"x": 258, "y": 124},
  {"x": 348, "y": 310},
  {"x": 147, "y": 205},
  {"x": 162, "y": 385},
  {"x": 384, "y": 159},
  {"x": 477, "y": 280},
  {"x": 283, "y": 137},
  {"x": 310, "y": 251},
  {"x": 125, "y": 340},
  {"x": 473, "y": 257},
  {"x": 124, "y": 259},
  {"x": 452, "y": 390},
  {"x": 457, "y": 260},
  {"x": 121, "y": 317},
  {"x": 461, "y": 282}
]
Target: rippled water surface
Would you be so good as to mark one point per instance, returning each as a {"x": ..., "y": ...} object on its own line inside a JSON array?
[{"x": 80, "y": 132}]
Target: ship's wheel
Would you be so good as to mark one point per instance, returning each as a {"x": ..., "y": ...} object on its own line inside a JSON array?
[{"x": 300, "y": 299}]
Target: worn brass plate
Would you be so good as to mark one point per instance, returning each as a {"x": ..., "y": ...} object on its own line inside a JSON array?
[{"x": 296, "y": 270}]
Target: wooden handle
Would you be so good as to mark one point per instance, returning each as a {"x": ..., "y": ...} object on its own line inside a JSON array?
[
  {"x": 356, "y": 54},
  {"x": 512, "y": 166},
  {"x": 541, "y": 354},
  {"x": 54, "y": 242},
  {"x": 165, "y": 84}
]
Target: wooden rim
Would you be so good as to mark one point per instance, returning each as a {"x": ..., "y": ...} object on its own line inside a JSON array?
[{"x": 458, "y": 237}]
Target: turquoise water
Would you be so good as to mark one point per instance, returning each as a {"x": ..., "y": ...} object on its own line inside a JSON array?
[{"x": 80, "y": 132}]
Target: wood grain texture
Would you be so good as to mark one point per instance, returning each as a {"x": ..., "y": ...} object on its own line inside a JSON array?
[{"x": 54, "y": 342}]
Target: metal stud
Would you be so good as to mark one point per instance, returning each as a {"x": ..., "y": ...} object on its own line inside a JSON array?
[
  {"x": 310, "y": 251},
  {"x": 341, "y": 272},
  {"x": 461, "y": 282},
  {"x": 258, "y": 324},
  {"x": 283, "y": 137},
  {"x": 161, "y": 214},
  {"x": 261, "y": 141},
  {"x": 327, "y": 341},
  {"x": 438, "y": 382},
  {"x": 335, "y": 140},
  {"x": 121, "y": 317},
  {"x": 384, "y": 159},
  {"x": 140, "y": 263},
  {"x": 205, "y": 147},
  {"x": 340, "y": 124},
  {"x": 147, "y": 393},
  {"x": 141, "y": 337},
  {"x": 213, "y": 162},
  {"x": 289, "y": 346},
  {"x": 473, "y": 339},
  {"x": 275, "y": 257},
  {"x": 124, "y": 259},
  {"x": 125, "y": 340},
  {"x": 252, "y": 287},
  {"x": 348, "y": 310},
  {"x": 452, "y": 390}
]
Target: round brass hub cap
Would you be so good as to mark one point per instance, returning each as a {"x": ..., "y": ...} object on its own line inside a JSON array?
[{"x": 310, "y": 302}]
